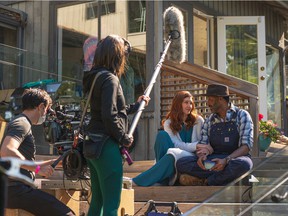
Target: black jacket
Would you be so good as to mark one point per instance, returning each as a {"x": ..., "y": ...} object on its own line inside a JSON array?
[{"x": 108, "y": 108}]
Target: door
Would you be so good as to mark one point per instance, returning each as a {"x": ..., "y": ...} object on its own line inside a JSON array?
[{"x": 243, "y": 53}]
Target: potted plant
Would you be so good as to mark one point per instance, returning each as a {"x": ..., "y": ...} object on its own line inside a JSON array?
[{"x": 268, "y": 133}]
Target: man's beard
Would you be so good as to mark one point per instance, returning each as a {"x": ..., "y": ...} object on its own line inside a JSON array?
[{"x": 215, "y": 108}]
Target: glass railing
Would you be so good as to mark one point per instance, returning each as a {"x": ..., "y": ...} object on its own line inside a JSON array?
[
  {"x": 62, "y": 79},
  {"x": 21, "y": 68},
  {"x": 18, "y": 67},
  {"x": 261, "y": 192}
]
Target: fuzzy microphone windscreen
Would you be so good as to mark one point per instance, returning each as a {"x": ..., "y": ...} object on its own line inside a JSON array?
[{"x": 173, "y": 20}]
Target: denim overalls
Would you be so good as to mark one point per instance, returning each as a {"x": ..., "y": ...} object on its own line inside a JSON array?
[
  {"x": 224, "y": 136},
  {"x": 224, "y": 139}
]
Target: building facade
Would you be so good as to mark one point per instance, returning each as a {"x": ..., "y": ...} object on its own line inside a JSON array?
[{"x": 43, "y": 41}]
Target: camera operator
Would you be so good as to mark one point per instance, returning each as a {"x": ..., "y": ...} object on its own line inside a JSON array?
[{"x": 19, "y": 142}]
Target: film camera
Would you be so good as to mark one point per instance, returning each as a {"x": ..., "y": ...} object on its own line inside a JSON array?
[
  {"x": 64, "y": 117},
  {"x": 61, "y": 122},
  {"x": 61, "y": 126}
]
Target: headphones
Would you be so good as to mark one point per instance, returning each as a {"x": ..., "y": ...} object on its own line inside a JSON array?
[{"x": 127, "y": 45}]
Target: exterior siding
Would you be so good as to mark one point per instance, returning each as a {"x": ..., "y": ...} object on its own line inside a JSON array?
[
  {"x": 80, "y": 24},
  {"x": 37, "y": 43},
  {"x": 275, "y": 23},
  {"x": 36, "y": 39}
]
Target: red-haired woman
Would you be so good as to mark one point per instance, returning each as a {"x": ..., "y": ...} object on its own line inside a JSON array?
[{"x": 182, "y": 131}]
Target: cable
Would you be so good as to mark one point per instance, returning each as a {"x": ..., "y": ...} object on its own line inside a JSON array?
[
  {"x": 73, "y": 164},
  {"x": 141, "y": 208},
  {"x": 89, "y": 194},
  {"x": 249, "y": 191},
  {"x": 74, "y": 167},
  {"x": 82, "y": 189}
]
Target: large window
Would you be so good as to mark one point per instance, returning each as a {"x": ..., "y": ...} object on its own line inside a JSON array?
[
  {"x": 107, "y": 7},
  {"x": 8, "y": 54},
  {"x": 72, "y": 55},
  {"x": 136, "y": 16},
  {"x": 202, "y": 40},
  {"x": 133, "y": 81},
  {"x": 241, "y": 55},
  {"x": 274, "y": 98},
  {"x": 78, "y": 28}
]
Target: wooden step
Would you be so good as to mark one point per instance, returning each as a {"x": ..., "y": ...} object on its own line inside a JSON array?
[
  {"x": 266, "y": 171},
  {"x": 16, "y": 212},
  {"x": 175, "y": 193},
  {"x": 275, "y": 167},
  {"x": 138, "y": 166},
  {"x": 141, "y": 207},
  {"x": 215, "y": 209},
  {"x": 132, "y": 174},
  {"x": 196, "y": 194},
  {"x": 45, "y": 157}
]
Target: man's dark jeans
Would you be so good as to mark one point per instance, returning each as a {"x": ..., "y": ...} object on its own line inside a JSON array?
[
  {"x": 234, "y": 169},
  {"x": 35, "y": 201}
]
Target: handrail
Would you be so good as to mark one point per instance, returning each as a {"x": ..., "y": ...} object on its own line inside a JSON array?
[{"x": 207, "y": 76}]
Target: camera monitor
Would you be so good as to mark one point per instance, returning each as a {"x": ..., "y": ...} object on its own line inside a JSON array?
[{"x": 52, "y": 87}]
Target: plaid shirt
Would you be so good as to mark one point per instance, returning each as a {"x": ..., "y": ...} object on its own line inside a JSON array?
[{"x": 244, "y": 125}]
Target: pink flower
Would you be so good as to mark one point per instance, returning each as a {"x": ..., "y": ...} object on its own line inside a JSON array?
[
  {"x": 268, "y": 129},
  {"x": 270, "y": 122}
]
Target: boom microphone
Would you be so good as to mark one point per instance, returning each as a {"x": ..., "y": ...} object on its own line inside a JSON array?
[
  {"x": 173, "y": 23},
  {"x": 175, "y": 35}
]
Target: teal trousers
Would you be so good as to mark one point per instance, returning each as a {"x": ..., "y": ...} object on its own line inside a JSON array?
[
  {"x": 159, "y": 173},
  {"x": 164, "y": 167},
  {"x": 162, "y": 143},
  {"x": 106, "y": 181}
]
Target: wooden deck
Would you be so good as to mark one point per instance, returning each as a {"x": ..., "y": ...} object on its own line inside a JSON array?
[{"x": 188, "y": 196}]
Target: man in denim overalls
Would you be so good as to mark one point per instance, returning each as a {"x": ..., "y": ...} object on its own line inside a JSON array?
[{"x": 229, "y": 131}]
